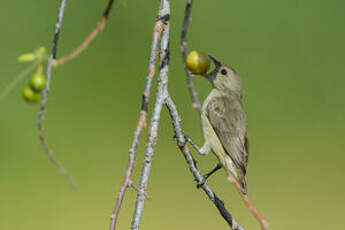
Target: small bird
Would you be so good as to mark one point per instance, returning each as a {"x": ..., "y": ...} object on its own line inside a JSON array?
[{"x": 223, "y": 122}]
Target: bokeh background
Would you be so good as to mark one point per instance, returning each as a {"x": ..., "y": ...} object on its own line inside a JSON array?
[{"x": 290, "y": 55}]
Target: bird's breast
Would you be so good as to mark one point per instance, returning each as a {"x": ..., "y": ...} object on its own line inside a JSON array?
[{"x": 217, "y": 148}]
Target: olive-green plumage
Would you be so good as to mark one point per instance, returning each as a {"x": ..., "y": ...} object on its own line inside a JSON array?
[{"x": 223, "y": 122}]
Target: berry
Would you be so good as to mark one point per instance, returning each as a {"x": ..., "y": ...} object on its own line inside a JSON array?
[
  {"x": 37, "y": 82},
  {"x": 30, "y": 95},
  {"x": 197, "y": 62}
]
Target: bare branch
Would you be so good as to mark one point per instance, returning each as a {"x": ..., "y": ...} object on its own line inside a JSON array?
[
  {"x": 183, "y": 47},
  {"x": 45, "y": 92},
  {"x": 162, "y": 93},
  {"x": 131, "y": 162},
  {"x": 181, "y": 142},
  {"x": 157, "y": 33},
  {"x": 264, "y": 224},
  {"x": 88, "y": 39}
]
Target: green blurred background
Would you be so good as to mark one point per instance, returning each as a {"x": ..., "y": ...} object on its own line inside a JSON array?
[{"x": 290, "y": 55}]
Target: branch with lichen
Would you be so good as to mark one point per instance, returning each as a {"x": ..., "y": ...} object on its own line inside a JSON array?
[{"x": 127, "y": 181}]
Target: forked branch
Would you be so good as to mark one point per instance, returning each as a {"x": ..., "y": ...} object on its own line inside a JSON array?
[{"x": 88, "y": 39}]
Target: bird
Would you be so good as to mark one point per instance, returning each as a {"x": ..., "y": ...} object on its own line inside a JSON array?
[{"x": 223, "y": 121}]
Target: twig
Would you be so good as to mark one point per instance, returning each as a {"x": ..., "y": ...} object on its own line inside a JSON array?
[
  {"x": 181, "y": 142},
  {"x": 183, "y": 47},
  {"x": 45, "y": 92},
  {"x": 131, "y": 162},
  {"x": 264, "y": 224},
  {"x": 157, "y": 32},
  {"x": 88, "y": 39},
  {"x": 162, "y": 93}
]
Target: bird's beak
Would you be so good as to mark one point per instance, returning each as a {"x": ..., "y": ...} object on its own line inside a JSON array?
[{"x": 212, "y": 75}]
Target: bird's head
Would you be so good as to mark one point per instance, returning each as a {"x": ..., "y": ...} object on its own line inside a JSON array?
[{"x": 224, "y": 78}]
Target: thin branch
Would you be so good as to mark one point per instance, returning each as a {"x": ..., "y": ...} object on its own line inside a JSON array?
[
  {"x": 88, "y": 39},
  {"x": 264, "y": 224},
  {"x": 181, "y": 142},
  {"x": 131, "y": 162},
  {"x": 183, "y": 47},
  {"x": 162, "y": 93},
  {"x": 157, "y": 33},
  {"x": 45, "y": 92}
]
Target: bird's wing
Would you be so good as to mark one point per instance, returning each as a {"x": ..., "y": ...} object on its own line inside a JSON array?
[{"x": 228, "y": 120}]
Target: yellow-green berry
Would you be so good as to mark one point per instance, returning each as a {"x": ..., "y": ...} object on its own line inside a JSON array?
[
  {"x": 37, "y": 82},
  {"x": 30, "y": 95},
  {"x": 197, "y": 62}
]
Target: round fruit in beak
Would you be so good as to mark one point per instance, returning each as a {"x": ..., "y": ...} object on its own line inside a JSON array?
[{"x": 197, "y": 62}]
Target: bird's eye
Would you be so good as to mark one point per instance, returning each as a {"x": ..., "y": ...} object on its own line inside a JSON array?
[{"x": 224, "y": 72}]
